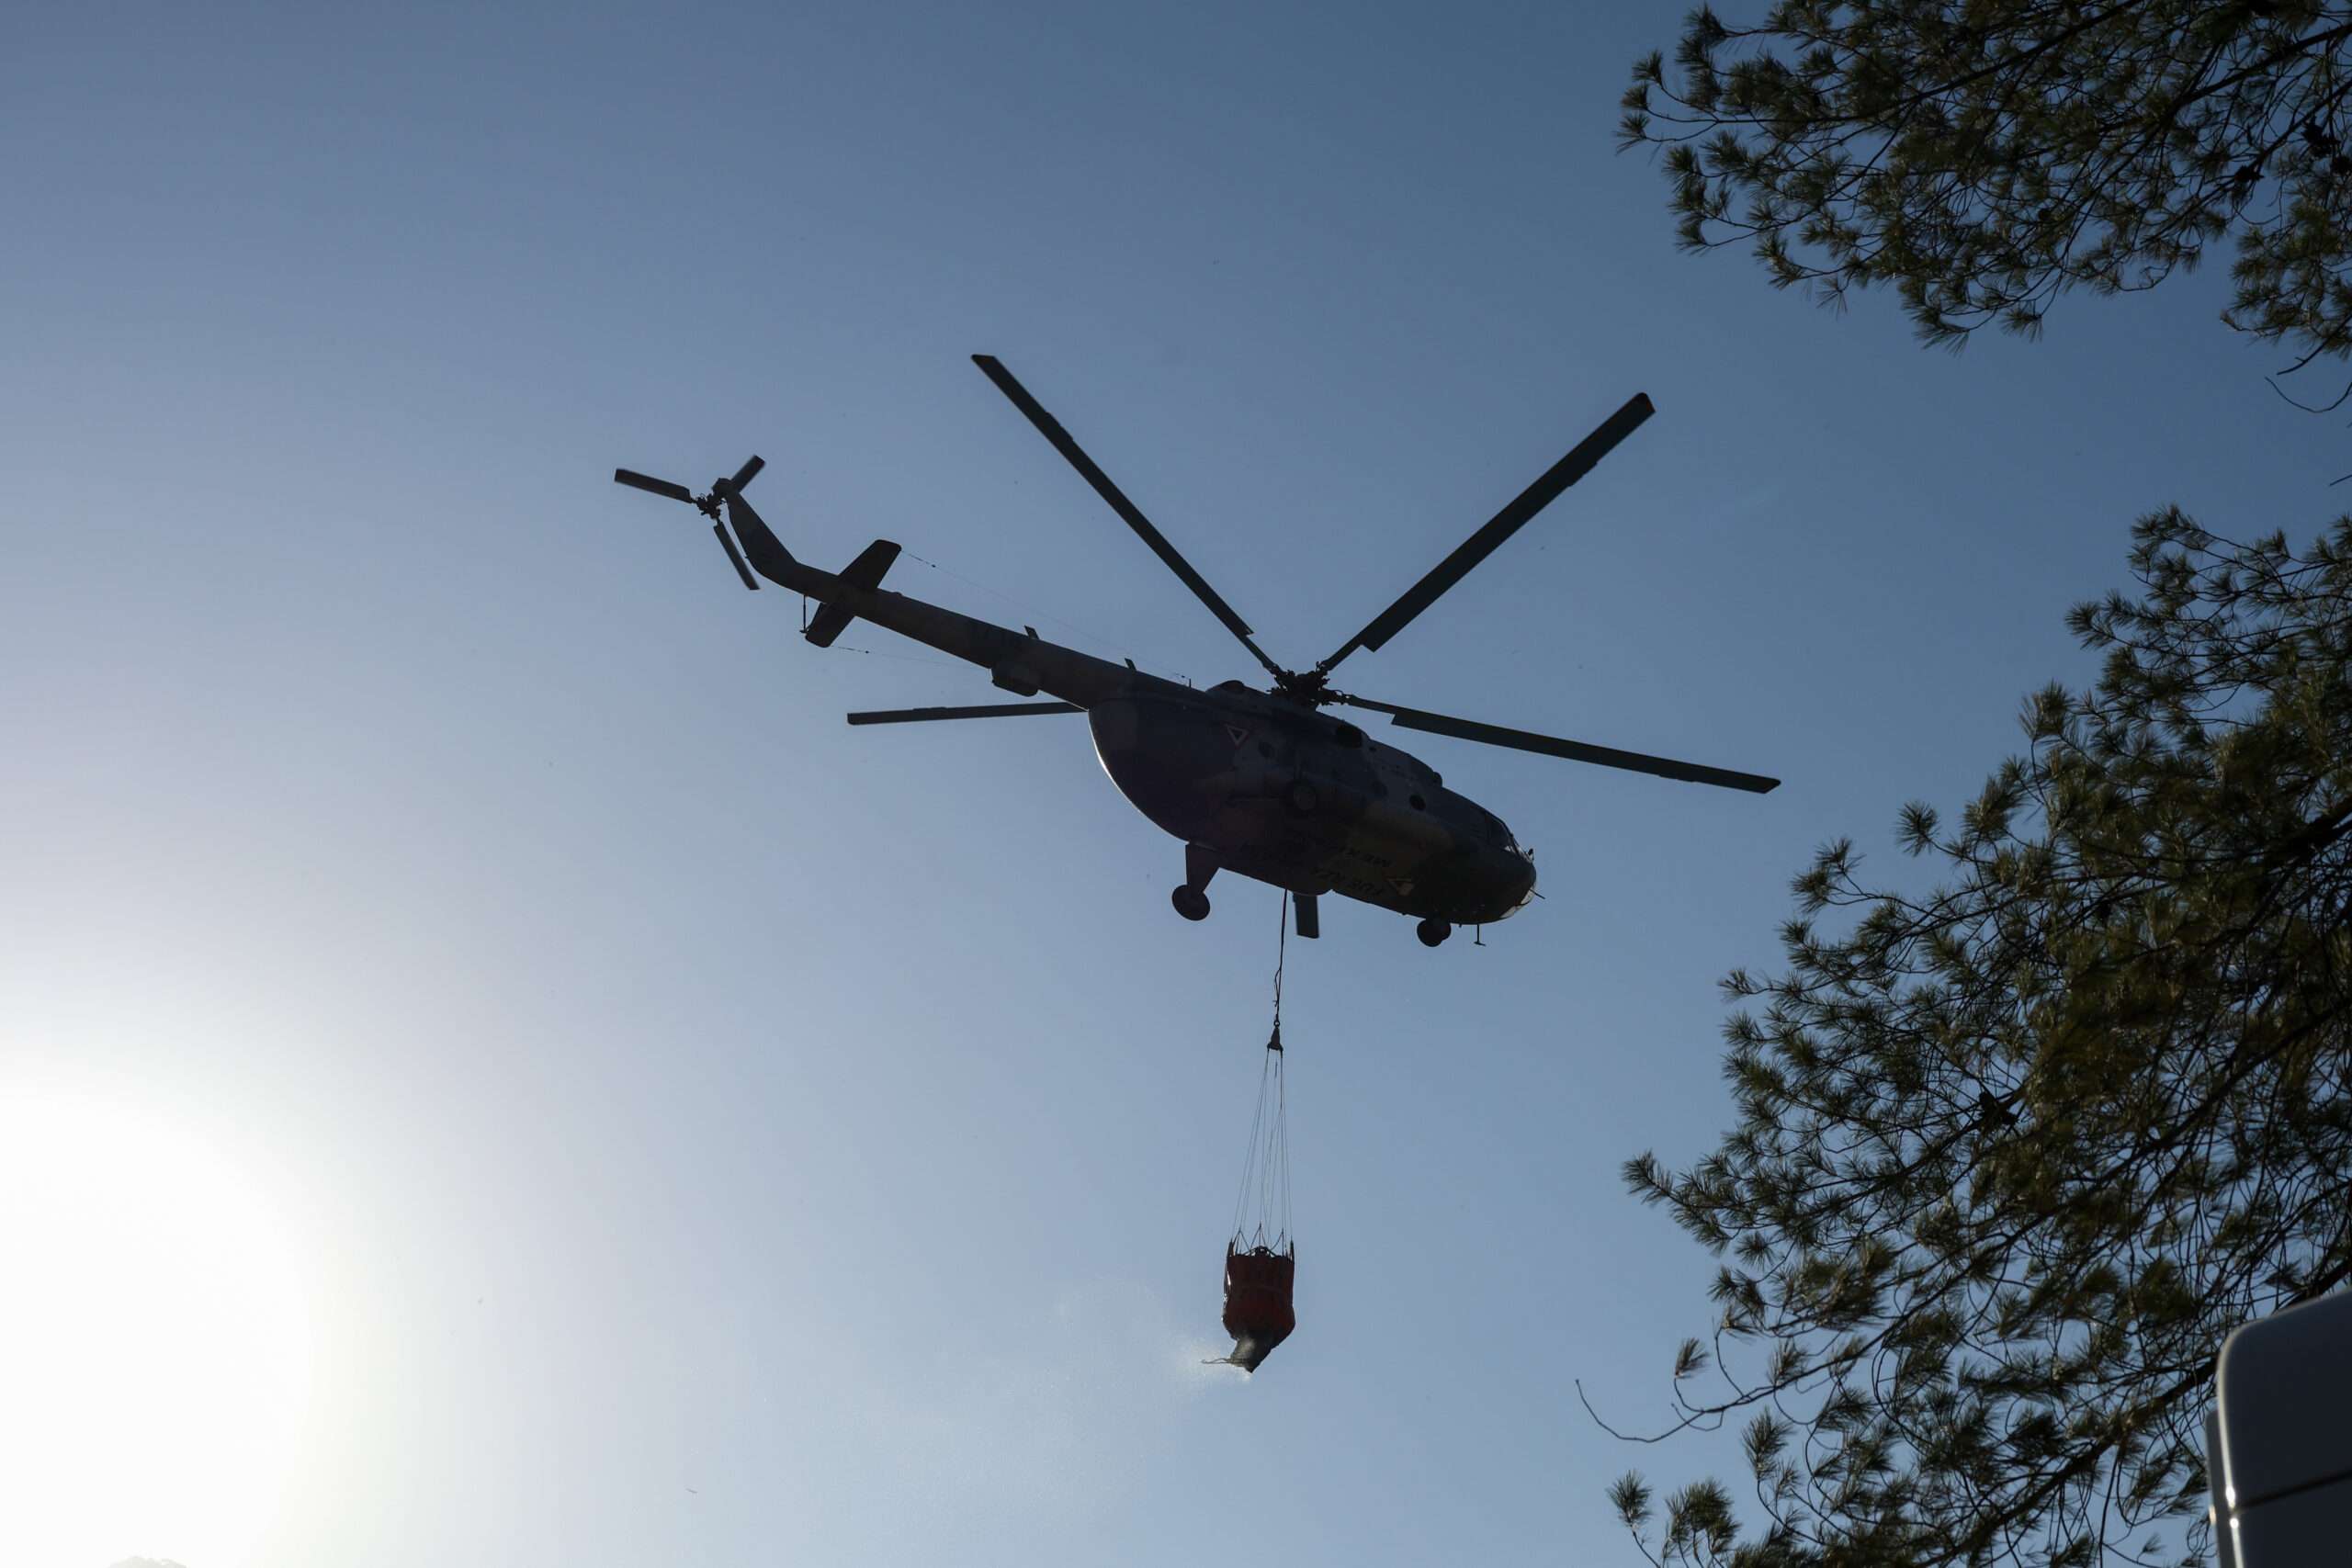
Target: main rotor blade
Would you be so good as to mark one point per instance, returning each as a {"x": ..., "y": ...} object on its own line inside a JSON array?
[
  {"x": 988, "y": 710},
  {"x": 659, "y": 487},
  {"x": 1501, "y": 526},
  {"x": 1575, "y": 750},
  {"x": 1050, "y": 428}
]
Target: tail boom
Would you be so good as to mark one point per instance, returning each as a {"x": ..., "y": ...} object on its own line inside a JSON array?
[{"x": 1021, "y": 662}]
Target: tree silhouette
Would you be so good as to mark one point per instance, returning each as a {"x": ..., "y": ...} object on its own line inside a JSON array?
[
  {"x": 1984, "y": 156},
  {"x": 2014, "y": 1154}
]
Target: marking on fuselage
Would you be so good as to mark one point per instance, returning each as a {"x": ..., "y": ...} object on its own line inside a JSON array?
[
  {"x": 1403, "y": 884},
  {"x": 1238, "y": 734}
]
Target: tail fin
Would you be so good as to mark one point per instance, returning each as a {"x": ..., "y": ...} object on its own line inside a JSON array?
[
  {"x": 865, "y": 572},
  {"x": 766, "y": 552}
]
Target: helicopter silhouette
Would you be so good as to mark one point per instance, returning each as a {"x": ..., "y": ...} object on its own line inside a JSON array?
[{"x": 1257, "y": 781}]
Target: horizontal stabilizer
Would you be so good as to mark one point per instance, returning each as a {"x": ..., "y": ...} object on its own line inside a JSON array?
[{"x": 865, "y": 572}]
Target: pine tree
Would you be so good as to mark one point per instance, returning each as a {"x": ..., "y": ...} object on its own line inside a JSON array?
[
  {"x": 2014, "y": 1154},
  {"x": 1984, "y": 156}
]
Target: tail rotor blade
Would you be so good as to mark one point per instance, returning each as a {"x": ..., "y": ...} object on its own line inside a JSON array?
[
  {"x": 734, "y": 556},
  {"x": 657, "y": 487},
  {"x": 745, "y": 474}
]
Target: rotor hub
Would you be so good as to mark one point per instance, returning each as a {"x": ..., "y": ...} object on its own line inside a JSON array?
[{"x": 1310, "y": 688}]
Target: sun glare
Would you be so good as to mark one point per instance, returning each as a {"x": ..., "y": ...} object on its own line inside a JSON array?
[{"x": 154, "y": 1344}]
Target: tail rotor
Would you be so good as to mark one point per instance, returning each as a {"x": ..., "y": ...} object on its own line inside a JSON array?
[{"x": 710, "y": 506}]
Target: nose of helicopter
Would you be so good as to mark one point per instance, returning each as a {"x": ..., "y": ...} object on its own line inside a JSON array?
[{"x": 1525, "y": 893}]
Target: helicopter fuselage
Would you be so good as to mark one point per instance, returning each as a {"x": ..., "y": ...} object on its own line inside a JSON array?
[
  {"x": 1293, "y": 797},
  {"x": 1260, "y": 784}
]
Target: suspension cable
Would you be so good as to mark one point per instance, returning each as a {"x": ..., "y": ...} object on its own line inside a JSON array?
[
  {"x": 1266, "y": 1169},
  {"x": 1281, "y": 955}
]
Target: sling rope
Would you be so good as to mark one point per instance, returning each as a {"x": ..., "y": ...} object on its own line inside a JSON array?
[{"x": 1265, "y": 1170}]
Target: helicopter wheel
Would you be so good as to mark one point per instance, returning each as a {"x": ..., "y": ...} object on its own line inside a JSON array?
[
  {"x": 1191, "y": 903},
  {"x": 1432, "y": 932}
]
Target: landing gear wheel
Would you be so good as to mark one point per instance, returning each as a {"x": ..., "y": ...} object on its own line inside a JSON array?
[
  {"x": 1191, "y": 903},
  {"x": 1432, "y": 932},
  {"x": 1302, "y": 798}
]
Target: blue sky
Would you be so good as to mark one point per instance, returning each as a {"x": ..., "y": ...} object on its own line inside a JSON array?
[{"x": 654, "y": 1083}]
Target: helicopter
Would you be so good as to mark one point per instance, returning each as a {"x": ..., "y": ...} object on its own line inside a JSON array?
[{"x": 1258, "y": 782}]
